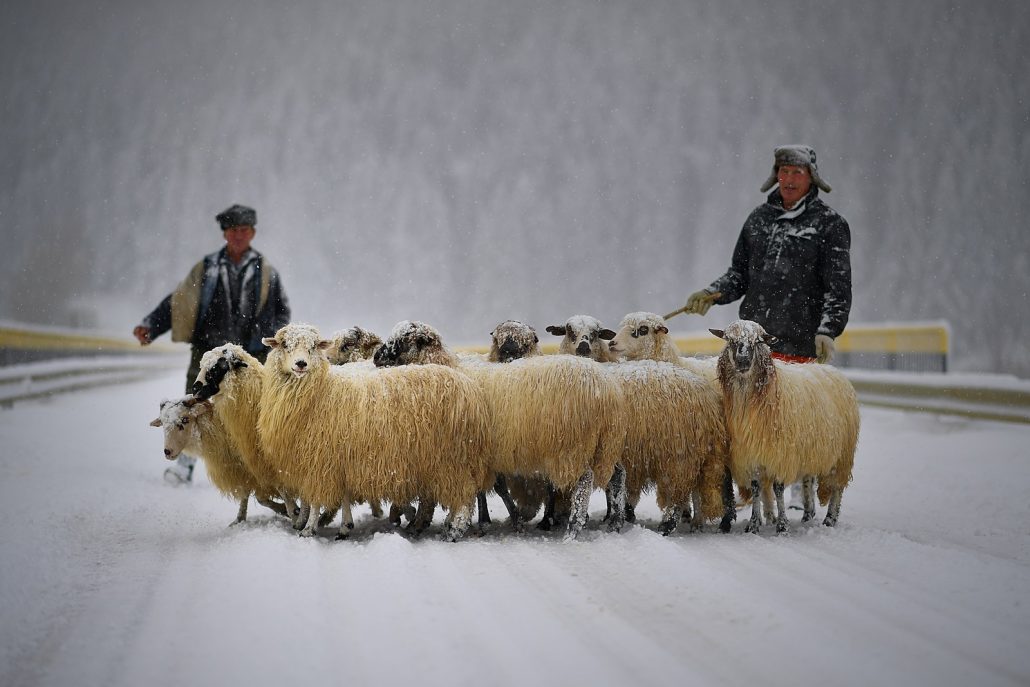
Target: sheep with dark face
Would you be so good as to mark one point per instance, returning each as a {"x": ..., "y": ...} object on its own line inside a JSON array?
[
  {"x": 413, "y": 343},
  {"x": 352, "y": 345},
  {"x": 512, "y": 340},
  {"x": 787, "y": 422},
  {"x": 416, "y": 343},
  {"x": 552, "y": 417},
  {"x": 404, "y": 433}
]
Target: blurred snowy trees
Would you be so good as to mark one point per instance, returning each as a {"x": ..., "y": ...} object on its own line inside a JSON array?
[{"x": 467, "y": 162}]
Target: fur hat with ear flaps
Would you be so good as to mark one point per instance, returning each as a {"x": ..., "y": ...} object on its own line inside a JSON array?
[{"x": 800, "y": 155}]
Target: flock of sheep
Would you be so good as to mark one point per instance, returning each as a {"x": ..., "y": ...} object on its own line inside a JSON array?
[{"x": 327, "y": 423}]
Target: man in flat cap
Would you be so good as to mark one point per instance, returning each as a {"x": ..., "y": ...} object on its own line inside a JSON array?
[
  {"x": 233, "y": 295},
  {"x": 791, "y": 264}
]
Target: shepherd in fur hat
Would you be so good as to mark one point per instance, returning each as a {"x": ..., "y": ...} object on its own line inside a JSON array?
[{"x": 791, "y": 264}]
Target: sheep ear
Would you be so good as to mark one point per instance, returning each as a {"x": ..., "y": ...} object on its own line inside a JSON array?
[
  {"x": 606, "y": 334},
  {"x": 270, "y": 342},
  {"x": 324, "y": 344},
  {"x": 719, "y": 333},
  {"x": 155, "y": 422},
  {"x": 662, "y": 329},
  {"x": 557, "y": 330},
  {"x": 769, "y": 339}
]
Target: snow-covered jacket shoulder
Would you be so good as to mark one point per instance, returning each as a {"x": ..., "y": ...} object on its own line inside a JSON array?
[{"x": 793, "y": 270}]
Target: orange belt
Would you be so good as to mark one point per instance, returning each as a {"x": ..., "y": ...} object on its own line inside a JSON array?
[{"x": 788, "y": 358}]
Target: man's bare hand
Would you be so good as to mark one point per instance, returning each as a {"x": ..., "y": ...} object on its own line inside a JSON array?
[{"x": 142, "y": 335}]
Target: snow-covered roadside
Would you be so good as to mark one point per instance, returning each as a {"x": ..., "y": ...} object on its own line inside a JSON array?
[{"x": 111, "y": 577}]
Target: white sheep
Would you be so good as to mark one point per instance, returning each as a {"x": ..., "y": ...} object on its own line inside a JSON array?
[
  {"x": 556, "y": 417},
  {"x": 405, "y": 433},
  {"x": 352, "y": 345},
  {"x": 675, "y": 434},
  {"x": 786, "y": 422},
  {"x": 190, "y": 425},
  {"x": 232, "y": 380},
  {"x": 416, "y": 343}
]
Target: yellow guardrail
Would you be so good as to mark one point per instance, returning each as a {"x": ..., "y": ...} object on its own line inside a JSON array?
[{"x": 20, "y": 343}]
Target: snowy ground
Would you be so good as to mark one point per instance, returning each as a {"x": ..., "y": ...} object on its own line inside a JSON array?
[{"x": 109, "y": 576}]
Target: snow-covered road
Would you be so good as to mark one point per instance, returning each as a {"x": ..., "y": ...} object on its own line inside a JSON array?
[{"x": 109, "y": 576}]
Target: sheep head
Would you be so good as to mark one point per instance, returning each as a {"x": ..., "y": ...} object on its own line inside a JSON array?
[
  {"x": 352, "y": 345},
  {"x": 643, "y": 336},
  {"x": 410, "y": 343},
  {"x": 747, "y": 347},
  {"x": 178, "y": 420},
  {"x": 511, "y": 340},
  {"x": 297, "y": 350},
  {"x": 584, "y": 336},
  {"x": 214, "y": 366}
]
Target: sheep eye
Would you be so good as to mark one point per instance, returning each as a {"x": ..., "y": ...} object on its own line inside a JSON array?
[{"x": 642, "y": 331}]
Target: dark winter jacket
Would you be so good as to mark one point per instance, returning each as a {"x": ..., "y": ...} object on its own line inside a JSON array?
[
  {"x": 793, "y": 269},
  {"x": 215, "y": 304}
]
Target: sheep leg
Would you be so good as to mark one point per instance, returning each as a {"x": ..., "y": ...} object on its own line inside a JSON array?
[
  {"x": 729, "y": 507},
  {"x": 755, "y": 523},
  {"x": 580, "y": 503},
  {"x": 347, "y": 521},
  {"x": 303, "y": 516},
  {"x": 547, "y": 521},
  {"x": 326, "y": 518},
  {"x": 483, "y": 513},
  {"x": 241, "y": 514},
  {"x": 274, "y": 506},
  {"x": 501, "y": 487},
  {"x": 768, "y": 499},
  {"x": 423, "y": 516},
  {"x": 781, "y": 512},
  {"x": 311, "y": 522},
  {"x": 697, "y": 519},
  {"x": 670, "y": 520},
  {"x": 833, "y": 508},
  {"x": 457, "y": 523},
  {"x": 808, "y": 498},
  {"x": 617, "y": 487}
]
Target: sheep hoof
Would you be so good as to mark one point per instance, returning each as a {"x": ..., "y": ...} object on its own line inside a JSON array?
[
  {"x": 752, "y": 527},
  {"x": 615, "y": 525},
  {"x": 545, "y": 525},
  {"x": 236, "y": 522},
  {"x": 697, "y": 526},
  {"x": 342, "y": 536},
  {"x": 667, "y": 527},
  {"x": 830, "y": 522},
  {"x": 782, "y": 528},
  {"x": 305, "y": 532},
  {"x": 726, "y": 524},
  {"x": 809, "y": 515},
  {"x": 631, "y": 514}
]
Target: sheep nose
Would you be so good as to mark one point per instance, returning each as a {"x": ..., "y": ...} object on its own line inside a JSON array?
[
  {"x": 168, "y": 452},
  {"x": 583, "y": 348},
  {"x": 301, "y": 364},
  {"x": 197, "y": 386},
  {"x": 509, "y": 347}
]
